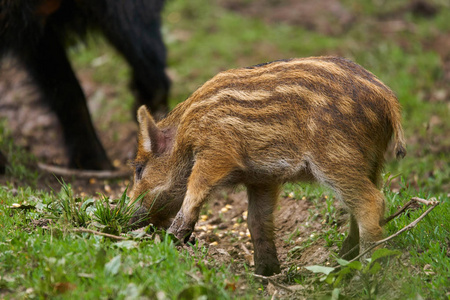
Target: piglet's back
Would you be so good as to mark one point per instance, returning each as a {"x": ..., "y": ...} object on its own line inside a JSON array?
[{"x": 301, "y": 105}]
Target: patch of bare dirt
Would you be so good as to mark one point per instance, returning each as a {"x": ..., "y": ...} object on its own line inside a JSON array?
[
  {"x": 325, "y": 16},
  {"x": 223, "y": 229},
  {"x": 32, "y": 124},
  {"x": 40, "y": 223},
  {"x": 35, "y": 127}
]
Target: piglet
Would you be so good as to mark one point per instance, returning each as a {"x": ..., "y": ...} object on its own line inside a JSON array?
[{"x": 322, "y": 119}]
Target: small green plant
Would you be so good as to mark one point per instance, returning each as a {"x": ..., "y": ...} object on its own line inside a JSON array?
[
  {"x": 116, "y": 219},
  {"x": 71, "y": 209},
  {"x": 370, "y": 274}
]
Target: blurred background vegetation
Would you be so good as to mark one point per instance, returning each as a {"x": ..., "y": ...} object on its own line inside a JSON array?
[{"x": 405, "y": 43}]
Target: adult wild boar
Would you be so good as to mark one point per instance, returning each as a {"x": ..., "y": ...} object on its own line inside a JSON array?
[
  {"x": 323, "y": 119},
  {"x": 36, "y": 32}
]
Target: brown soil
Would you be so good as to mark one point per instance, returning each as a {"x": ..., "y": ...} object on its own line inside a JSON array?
[
  {"x": 35, "y": 127},
  {"x": 326, "y": 16},
  {"x": 225, "y": 230}
]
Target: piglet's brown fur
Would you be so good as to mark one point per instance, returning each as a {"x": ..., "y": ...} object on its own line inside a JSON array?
[{"x": 322, "y": 119}]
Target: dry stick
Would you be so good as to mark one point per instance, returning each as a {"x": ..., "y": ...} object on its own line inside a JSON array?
[
  {"x": 397, "y": 213},
  {"x": 433, "y": 201},
  {"x": 350, "y": 251},
  {"x": 408, "y": 227},
  {"x": 245, "y": 249},
  {"x": 408, "y": 204},
  {"x": 83, "y": 173},
  {"x": 99, "y": 233},
  {"x": 193, "y": 276},
  {"x": 274, "y": 295},
  {"x": 401, "y": 210}
]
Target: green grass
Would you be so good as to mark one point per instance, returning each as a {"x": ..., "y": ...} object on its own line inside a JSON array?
[
  {"x": 203, "y": 39},
  {"x": 56, "y": 262}
]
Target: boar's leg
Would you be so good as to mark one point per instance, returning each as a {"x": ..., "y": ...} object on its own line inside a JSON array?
[
  {"x": 134, "y": 29},
  {"x": 3, "y": 163},
  {"x": 52, "y": 72},
  {"x": 261, "y": 204},
  {"x": 206, "y": 174}
]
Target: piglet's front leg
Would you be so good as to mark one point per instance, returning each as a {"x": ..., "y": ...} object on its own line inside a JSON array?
[
  {"x": 181, "y": 229},
  {"x": 206, "y": 173},
  {"x": 184, "y": 222}
]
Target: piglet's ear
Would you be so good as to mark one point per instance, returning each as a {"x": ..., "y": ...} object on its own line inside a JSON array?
[
  {"x": 151, "y": 138},
  {"x": 148, "y": 131}
]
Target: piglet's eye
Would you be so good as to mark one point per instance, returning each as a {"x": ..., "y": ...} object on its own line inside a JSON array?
[{"x": 138, "y": 171}]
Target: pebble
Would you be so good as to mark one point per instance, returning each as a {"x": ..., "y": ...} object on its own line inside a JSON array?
[
  {"x": 222, "y": 226},
  {"x": 116, "y": 163}
]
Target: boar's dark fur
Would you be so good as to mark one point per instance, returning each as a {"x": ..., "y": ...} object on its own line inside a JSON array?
[{"x": 36, "y": 32}]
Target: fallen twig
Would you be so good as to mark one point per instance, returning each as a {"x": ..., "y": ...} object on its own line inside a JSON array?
[
  {"x": 99, "y": 233},
  {"x": 406, "y": 206},
  {"x": 245, "y": 249},
  {"x": 350, "y": 251},
  {"x": 83, "y": 173},
  {"x": 210, "y": 221},
  {"x": 398, "y": 212},
  {"x": 433, "y": 204},
  {"x": 433, "y": 201},
  {"x": 193, "y": 276}
]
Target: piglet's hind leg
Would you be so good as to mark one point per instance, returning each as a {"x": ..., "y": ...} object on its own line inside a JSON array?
[{"x": 262, "y": 200}]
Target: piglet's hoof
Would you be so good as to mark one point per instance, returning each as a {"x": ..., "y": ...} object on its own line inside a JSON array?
[
  {"x": 174, "y": 239},
  {"x": 191, "y": 240},
  {"x": 179, "y": 229},
  {"x": 182, "y": 235}
]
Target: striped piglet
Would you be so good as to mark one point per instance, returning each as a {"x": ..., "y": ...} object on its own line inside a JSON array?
[{"x": 323, "y": 119}]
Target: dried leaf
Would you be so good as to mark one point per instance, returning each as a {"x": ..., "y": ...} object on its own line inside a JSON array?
[
  {"x": 63, "y": 287},
  {"x": 231, "y": 286}
]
